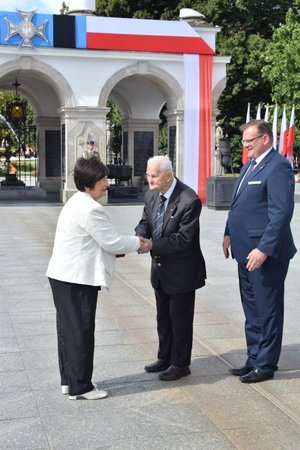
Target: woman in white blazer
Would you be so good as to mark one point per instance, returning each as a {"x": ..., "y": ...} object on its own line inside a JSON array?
[{"x": 83, "y": 260}]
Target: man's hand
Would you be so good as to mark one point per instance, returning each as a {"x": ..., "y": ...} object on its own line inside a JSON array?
[
  {"x": 256, "y": 258},
  {"x": 146, "y": 245},
  {"x": 226, "y": 246}
]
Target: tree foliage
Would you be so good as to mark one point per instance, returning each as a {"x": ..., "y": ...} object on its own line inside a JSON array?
[
  {"x": 144, "y": 9},
  {"x": 246, "y": 29},
  {"x": 282, "y": 63},
  {"x": 282, "y": 60}
]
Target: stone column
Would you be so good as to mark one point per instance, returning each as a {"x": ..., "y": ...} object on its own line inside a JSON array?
[
  {"x": 175, "y": 139},
  {"x": 78, "y": 126}
]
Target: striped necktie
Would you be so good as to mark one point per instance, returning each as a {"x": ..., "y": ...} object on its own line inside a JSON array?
[{"x": 159, "y": 219}]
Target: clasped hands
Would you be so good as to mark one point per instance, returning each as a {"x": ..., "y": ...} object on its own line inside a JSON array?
[{"x": 146, "y": 245}]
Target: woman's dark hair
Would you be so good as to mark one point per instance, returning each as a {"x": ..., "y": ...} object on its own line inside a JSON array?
[{"x": 88, "y": 171}]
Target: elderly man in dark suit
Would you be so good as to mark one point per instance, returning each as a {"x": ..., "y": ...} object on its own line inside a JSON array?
[
  {"x": 171, "y": 220},
  {"x": 258, "y": 231}
]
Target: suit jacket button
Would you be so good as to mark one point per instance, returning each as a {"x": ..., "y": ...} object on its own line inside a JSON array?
[{"x": 159, "y": 264}]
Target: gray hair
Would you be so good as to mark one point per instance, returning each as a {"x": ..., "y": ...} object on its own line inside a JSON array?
[{"x": 163, "y": 162}]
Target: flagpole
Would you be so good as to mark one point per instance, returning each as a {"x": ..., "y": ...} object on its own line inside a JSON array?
[{"x": 275, "y": 118}]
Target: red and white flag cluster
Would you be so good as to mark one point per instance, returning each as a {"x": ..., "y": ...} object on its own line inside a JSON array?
[
  {"x": 286, "y": 136},
  {"x": 288, "y": 147}
]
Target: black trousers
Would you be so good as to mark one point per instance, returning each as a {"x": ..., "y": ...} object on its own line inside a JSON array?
[
  {"x": 75, "y": 319},
  {"x": 175, "y": 315}
]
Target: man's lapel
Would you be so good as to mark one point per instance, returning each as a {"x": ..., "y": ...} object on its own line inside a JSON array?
[
  {"x": 172, "y": 205},
  {"x": 253, "y": 174}
]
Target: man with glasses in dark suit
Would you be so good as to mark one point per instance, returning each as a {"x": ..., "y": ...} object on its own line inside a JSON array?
[{"x": 259, "y": 234}]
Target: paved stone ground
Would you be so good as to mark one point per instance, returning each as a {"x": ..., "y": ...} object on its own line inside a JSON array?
[{"x": 208, "y": 410}]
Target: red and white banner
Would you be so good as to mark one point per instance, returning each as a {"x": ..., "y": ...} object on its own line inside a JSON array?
[
  {"x": 197, "y": 121},
  {"x": 162, "y": 36}
]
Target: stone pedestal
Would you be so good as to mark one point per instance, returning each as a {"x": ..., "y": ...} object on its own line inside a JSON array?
[{"x": 219, "y": 192}]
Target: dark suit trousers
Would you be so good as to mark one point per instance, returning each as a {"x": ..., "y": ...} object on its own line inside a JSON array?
[
  {"x": 262, "y": 295},
  {"x": 175, "y": 315},
  {"x": 75, "y": 318}
]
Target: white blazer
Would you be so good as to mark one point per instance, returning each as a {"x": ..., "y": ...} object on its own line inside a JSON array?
[{"x": 86, "y": 244}]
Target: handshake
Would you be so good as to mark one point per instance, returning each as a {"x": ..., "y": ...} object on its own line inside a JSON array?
[{"x": 145, "y": 245}]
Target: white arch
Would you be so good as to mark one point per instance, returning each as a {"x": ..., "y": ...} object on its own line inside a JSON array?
[
  {"x": 217, "y": 91},
  {"x": 162, "y": 79},
  {"x": 30, "y": 67}
]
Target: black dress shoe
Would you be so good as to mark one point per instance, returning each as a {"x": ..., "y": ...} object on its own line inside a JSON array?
[
  {"x": 240, "y": 371},
  {"x": 174, "y": 373},
  {"x": 256, "y": 375},
  {"x": 157, "y": 366}
]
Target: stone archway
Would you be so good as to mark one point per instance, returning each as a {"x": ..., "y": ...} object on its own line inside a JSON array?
[
  {"x": 47, "y": 90},
  {"x": 140, "y": 91}
]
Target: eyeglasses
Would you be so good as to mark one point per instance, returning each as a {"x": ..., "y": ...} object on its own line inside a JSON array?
[{"x": 248, "y": 141}]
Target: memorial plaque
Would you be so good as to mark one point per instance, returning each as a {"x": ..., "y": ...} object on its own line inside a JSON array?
[
  {"x": 53, "y": 154},
  {"x": 143, "y": 150}
]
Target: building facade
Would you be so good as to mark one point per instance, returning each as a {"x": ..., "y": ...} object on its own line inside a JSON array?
[{"x": 68, "y": 67}]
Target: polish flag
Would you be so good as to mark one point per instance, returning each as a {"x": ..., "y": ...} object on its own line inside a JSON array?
[
  {"x": 275, "y": 118},
  {"x": 245, "y": 151},
  {"x": 258, "y": 112},
  {"x": 266, "y": 117},
  {"x": 162, "y": 36},
  {"x": 291, "y": 139},
  {"x": 283, "y": 134}
]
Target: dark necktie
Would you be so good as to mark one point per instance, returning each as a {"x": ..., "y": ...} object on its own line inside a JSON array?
[
  {"x": 159, "y": 219},
  {"x": 249, "y": 170}
]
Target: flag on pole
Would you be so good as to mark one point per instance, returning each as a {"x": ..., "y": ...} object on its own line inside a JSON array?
[
  {"x": 283, "y": 134},
  {"x": 258, "y": 112},
  {"x": 248, "y": 118},
  {"x": 291, "y": 139},
  {"x": 275, "y": 117},
  {"x": 266, "y": 118},
  {"x": 245, "y": 152}
]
